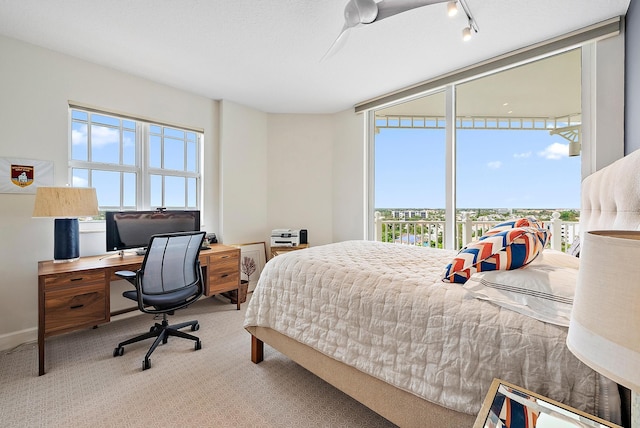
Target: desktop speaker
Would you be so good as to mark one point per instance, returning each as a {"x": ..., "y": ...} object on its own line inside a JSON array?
[{"x": 303, "y": 236}]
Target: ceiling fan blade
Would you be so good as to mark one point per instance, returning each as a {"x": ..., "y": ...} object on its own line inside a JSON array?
[
  {"x": 387, "y": 8},
  {"x": 338, "y": 43},
  {"x": 356, "y": 12},
  {"x": 360, "y": 12}
]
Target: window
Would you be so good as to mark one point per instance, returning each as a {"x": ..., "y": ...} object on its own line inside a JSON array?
[
  {"x": 513, "y": 153},
  {"x": 134, "y": 164}
]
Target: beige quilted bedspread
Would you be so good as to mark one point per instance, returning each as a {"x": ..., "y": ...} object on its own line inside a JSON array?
[{"x": 383, "y": 309}]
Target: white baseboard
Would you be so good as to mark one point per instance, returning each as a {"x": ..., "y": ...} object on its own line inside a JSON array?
[
  {"x": 16, "y": 338},
  {"x": 11, "y": 340}
]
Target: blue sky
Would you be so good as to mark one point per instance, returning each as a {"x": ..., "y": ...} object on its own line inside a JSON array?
[{"x": 495, "y": 169}]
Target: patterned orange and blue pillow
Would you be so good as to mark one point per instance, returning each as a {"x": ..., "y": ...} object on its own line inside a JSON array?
[
  {"x": 510, "y": 248},
  {"x": 520, "y": 222},
  {"x": 512, "y": 224}
]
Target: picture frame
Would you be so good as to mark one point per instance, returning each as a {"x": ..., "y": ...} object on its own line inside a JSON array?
[
  {"x": 255, "y": 252},
  {"x": 527, "y": 409}
]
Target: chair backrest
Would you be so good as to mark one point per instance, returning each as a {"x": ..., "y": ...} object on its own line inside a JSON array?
[{"x": 171, "y": 263}]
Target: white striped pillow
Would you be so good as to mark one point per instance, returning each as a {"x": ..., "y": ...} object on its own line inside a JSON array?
[{"x": 543, "y": 291}]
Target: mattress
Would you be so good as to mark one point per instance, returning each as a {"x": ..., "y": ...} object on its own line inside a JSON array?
[{"x": 383, "y": 309}]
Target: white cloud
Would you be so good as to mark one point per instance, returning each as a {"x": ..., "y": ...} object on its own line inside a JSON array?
[
  {"x": 78, "y": 137},
  {"x": 100, "y": 136},
  {"x": 80, "y": 182},
  {"x": 555, "y": 151},
  {"x": 494, "y": 165},
  {"x": 521, "y": 155}
]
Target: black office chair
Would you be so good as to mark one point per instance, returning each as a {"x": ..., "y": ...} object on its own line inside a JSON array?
[{"x": 170, "y": 278}]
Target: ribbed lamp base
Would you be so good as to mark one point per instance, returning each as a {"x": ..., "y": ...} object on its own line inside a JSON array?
[{"x": 66, "y": 244}]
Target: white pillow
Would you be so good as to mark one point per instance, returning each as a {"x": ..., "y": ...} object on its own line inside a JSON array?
[
  {"x": 556, "y": 258},
  {"x": 543, "y": 292}
]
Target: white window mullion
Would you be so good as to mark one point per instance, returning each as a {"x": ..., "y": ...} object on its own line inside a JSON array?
[
  {"x": 199, "y": 164},
  {"x": 142, "y": 154},
  {"x": 450, "y": 233}
]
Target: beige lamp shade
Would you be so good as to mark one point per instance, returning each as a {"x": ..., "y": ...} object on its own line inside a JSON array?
[
  {"x": 604, "y": 331},
  {"x": 65, "y": 202}
]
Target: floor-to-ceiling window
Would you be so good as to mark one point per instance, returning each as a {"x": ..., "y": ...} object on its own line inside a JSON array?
[{"x": 514, "y": 131}]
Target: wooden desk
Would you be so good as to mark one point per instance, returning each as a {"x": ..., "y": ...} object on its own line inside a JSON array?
[{"x": 76, "y": 295}]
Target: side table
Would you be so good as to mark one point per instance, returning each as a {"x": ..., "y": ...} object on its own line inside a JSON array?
[
  {"x": 512, "y": 406},
  {"x": 281, "y": 250}
]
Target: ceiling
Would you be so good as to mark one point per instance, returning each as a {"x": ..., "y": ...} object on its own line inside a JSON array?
[{"x": 266, "y": 54}]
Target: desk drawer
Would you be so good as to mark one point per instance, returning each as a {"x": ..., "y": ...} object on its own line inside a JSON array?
[
  {"x": 75, "y": 307},
  {"x": 224, "y": 271},
  {"x": 74, "y": 279},
  {"x": 223, "y": 282},
  {"x": 229, "y": 259}
]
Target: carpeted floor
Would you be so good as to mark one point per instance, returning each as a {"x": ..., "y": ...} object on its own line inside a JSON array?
[{"x": 218, "y": 386}]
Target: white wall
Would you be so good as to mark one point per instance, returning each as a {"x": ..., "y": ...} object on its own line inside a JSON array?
[
  {"x": 300, "y": 174},
  {"x": 243, "y": 172},
  {"x": 349, "y": 154},
  {"x": 603, "y": 95},
  {"x": 316, "y": 175},
  {"x": 36, "y": 85}
]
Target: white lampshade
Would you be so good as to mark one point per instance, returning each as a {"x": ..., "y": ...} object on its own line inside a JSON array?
[{"x": 604, "y": 331}]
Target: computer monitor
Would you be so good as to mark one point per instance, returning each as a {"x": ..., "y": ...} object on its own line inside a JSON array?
[{"x": 133, "y": 229}]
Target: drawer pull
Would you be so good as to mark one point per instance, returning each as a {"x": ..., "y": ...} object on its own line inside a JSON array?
[
  {"x": 224, "y": 275},
  {"x": 225, "y": 257},
  {"x": 77, "y": 279},
  {"x": 76, "y": 306}
]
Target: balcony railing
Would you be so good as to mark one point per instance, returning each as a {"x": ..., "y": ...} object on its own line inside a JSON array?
[{"x": 430, "y": 233}]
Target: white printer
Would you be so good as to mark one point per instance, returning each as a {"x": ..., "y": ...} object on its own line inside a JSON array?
[{"x": 288, "y": 237}]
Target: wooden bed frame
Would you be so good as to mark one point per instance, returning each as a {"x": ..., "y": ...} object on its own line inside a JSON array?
[{"x": 620, "y": 210}]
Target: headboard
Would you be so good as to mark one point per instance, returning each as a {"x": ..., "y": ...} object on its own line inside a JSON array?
[{"x": 611, "y": 196}]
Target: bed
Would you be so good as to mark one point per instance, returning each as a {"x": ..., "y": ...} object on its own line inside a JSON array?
[{"x": 376, "y": 321}]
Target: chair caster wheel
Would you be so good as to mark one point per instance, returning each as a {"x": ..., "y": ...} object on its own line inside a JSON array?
[
  {"x": 195, "y": 327},
  {"x": 146, "y": 364},
  {"x": 117, "y": 352},
  {"x": 198, "y": 345}
]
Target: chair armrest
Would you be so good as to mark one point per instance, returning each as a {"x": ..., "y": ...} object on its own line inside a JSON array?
[{"x": 128, "y": 275}]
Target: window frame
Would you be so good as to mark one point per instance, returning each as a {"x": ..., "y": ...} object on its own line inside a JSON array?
[
  {"x": 452, "y": 125},
  {"x": 142, "y": 168}
]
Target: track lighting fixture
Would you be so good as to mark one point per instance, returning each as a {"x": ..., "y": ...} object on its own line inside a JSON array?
[
  {"x": 452, "y": 8},
  {"x": 466, "y": 33},
  {"x": 472, "y": 27}
]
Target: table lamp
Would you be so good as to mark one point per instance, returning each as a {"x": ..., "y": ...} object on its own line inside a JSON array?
[
  {"x": 604, "y": 330},
  {"x": 66, "y": 204}
]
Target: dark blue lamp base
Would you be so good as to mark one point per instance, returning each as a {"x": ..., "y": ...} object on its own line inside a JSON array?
[{"x": 66, "y": 241}]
